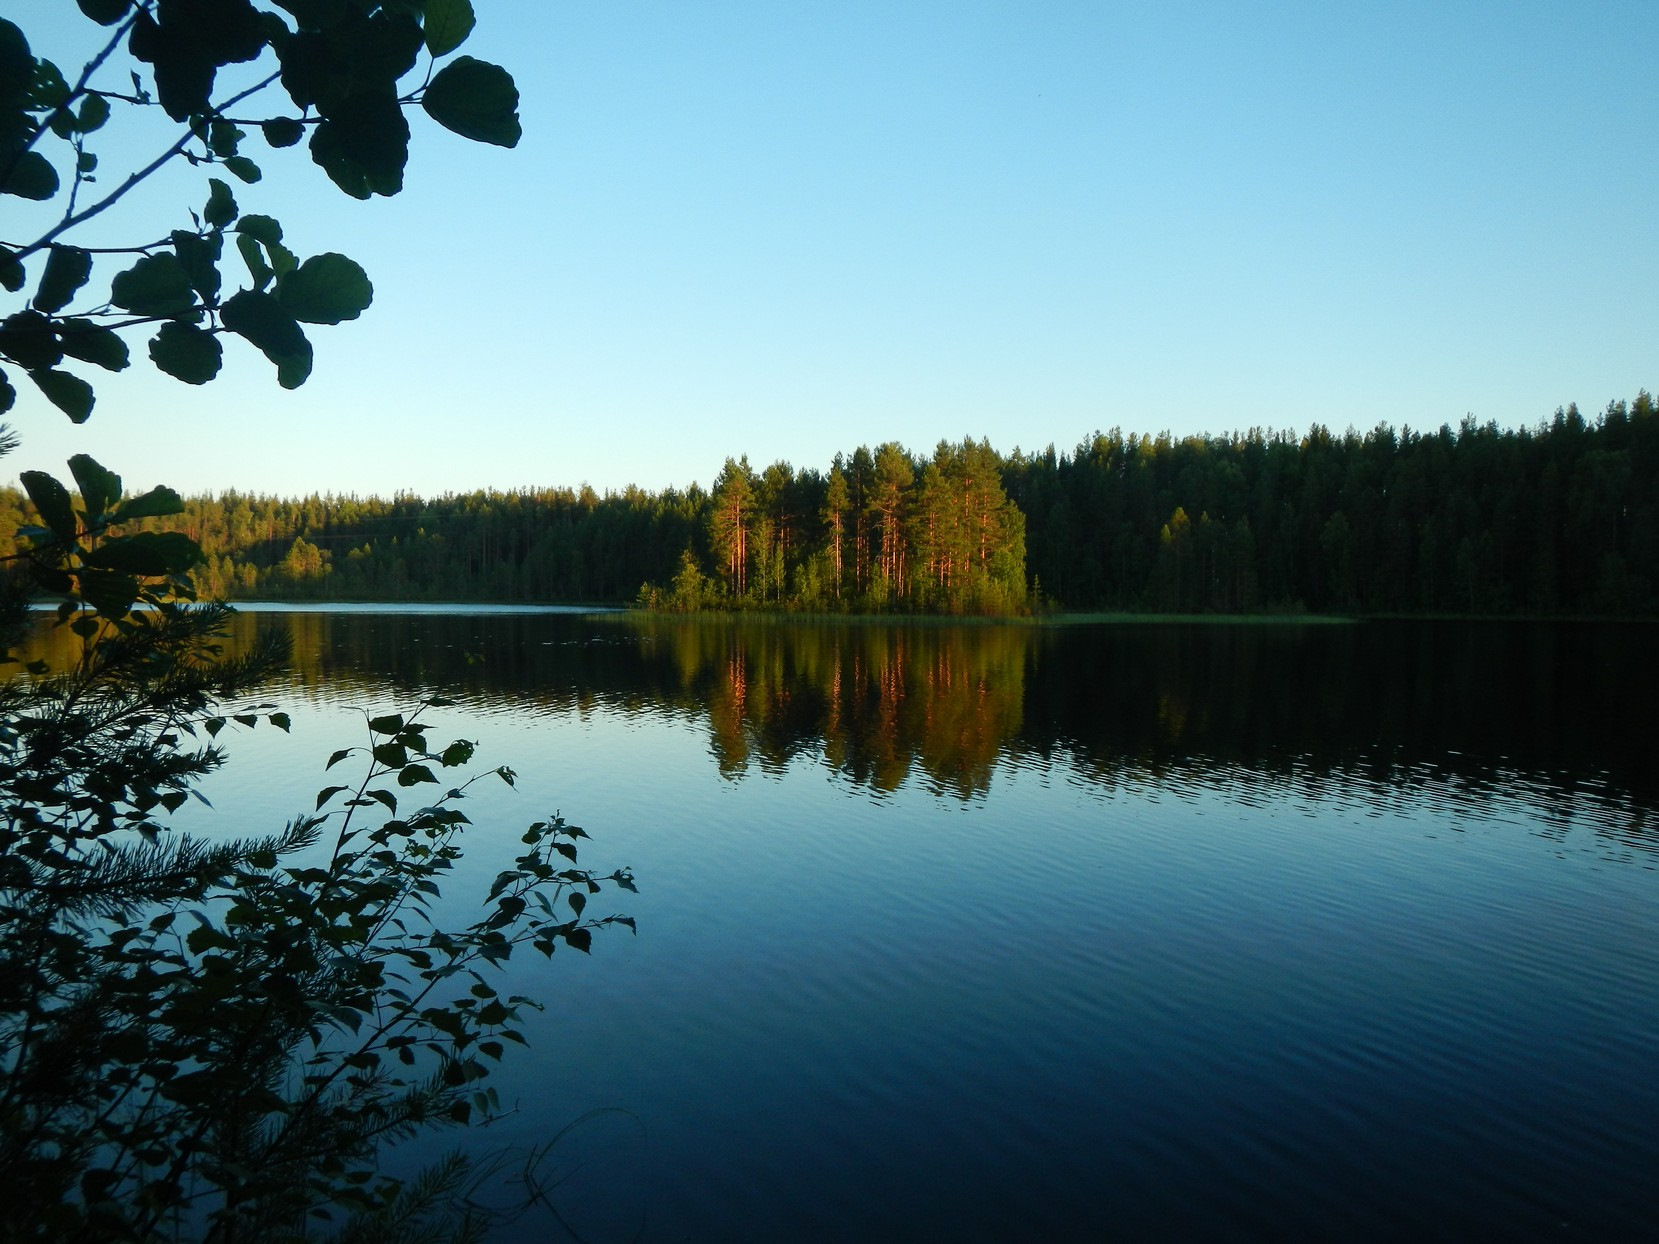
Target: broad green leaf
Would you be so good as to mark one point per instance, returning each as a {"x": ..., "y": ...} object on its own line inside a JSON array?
[
  {"x": 223, "y": 138},
  {"x": 94, "y": 112},
  {"x": 221, "y": 204},
  {"x": 52, "y": 500},
  {"x": 293, "y": 370},
  {"x": 325, "y": 289},
  {"x": 363, "y": 145},
  {"x": 327, "y": 793},
  {"x": 206, "y": 937},
  {"x": 264, "y": 322},
  {"x": 188, "y": 50},
  {"x": 199, "y": 257},
  {"x": 68, "y": 392},
  {"x": 100, "y": 487},
  {"x": 329, "y": 154},
  {"x": 392, "y": 755},
  {"x": 109, "y": 592},
  {"x": 389, "y": 724},
  {"x": 447, "y": 25},
  {"x": 105, "y": 12},
  {"x": 336, "y": 758},
  {"x": 243, "y": 168},
  {"x": 26, "y": 337},
  {"x": 580, "y": 939},
  {"x": 255, "y": 231},
  {"x": 147, "y": 553},
  {"x": 187, "y": 353},
  {"x": 258, "y": 269},
  {"x": 92, "y": 343},
  {"x": 476, "y": 100},
  {"x": 47, "y": 89},
  {"x": 282, "y": 132},
  {"x": 63, "y": 121},
  {"x": 155, "y": 285},
  {"x": 384, "y": 48},
  {"x": 8, "y": 395},
  {"x": 159, "y": 502},
  {"x": 67, "y": 269},
  {"x": 16, "y": 64},
  {"x": 409, "y": 775},
  {"x": 281, "y": 721},
  {"x": 11, "y": 272},
  {"x": 309, "y": 67},
  {"x": 262, "y": 228},
  {"x": 32, "y": 177},
  {"x": 283, "y": 260}
]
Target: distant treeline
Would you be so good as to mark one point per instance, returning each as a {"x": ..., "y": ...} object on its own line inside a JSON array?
[
  {"x": 1563, "y": 518},
  {"x": 1558, "y": 519}
]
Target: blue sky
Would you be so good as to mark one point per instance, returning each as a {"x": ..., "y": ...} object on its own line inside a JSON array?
[{"x": 787, "y": 230}]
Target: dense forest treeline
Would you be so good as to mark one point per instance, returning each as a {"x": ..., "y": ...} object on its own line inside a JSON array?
[{"x": 1560, "y": 518}]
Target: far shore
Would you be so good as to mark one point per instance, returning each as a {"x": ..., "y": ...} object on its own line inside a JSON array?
[{"x": 785, "y": 617}]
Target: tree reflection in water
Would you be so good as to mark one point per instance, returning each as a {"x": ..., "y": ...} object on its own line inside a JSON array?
[
  {"x": 876, "y": 702},
  {"x": 1383, "y": 707}
]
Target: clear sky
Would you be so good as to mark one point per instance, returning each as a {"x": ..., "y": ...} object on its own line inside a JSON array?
[{"x": 790, "y": 229}]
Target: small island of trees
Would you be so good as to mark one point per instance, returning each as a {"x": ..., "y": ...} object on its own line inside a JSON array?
[{"x": 882, "y": 532}]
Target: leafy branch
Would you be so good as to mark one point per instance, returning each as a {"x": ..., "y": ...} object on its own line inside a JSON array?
[
  {"x": 223, "y": 1032},
  {"x": 340, "y": 64}
]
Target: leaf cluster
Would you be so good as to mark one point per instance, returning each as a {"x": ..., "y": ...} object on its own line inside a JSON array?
[
  {"x": 73, "y": 551},
  {"x": 342, "y": 72},
  {"x": 214, "y": 1037}
]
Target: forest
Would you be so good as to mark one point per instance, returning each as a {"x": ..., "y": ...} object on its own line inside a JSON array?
[{"x": 1560, "y": 518}]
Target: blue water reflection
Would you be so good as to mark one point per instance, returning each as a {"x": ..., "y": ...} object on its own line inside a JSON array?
[{"x": 1000, "y": 934}]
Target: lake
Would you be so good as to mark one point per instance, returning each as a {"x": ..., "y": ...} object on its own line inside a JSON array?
[{"x": 999, "y": 932}]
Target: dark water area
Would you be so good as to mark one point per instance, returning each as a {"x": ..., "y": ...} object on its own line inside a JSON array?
[
  {"x": 1566, "y": 705},
  {"x": 994, "y": 933}
]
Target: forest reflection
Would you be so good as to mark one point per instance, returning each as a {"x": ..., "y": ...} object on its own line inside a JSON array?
[
  {"x": 877, "y": 702},
  {"x": 1375, "y": 710}
]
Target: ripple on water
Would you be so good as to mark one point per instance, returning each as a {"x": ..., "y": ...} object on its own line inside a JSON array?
[{"x": 1142, "y": 992}]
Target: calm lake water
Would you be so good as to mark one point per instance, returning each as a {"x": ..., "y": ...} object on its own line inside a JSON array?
[{"x": 994, "y": 933}]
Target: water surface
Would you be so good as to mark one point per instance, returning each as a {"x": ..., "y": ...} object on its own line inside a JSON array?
[{"x": 995, "y": 933}]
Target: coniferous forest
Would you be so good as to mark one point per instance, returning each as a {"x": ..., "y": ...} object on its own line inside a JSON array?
[{"x": 1561, "y": 518}]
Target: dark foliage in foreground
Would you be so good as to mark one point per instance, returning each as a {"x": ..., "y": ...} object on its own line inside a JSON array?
[
  {"x": 215, "y": 1036},
  {"x": 202, "y": 1036}
]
